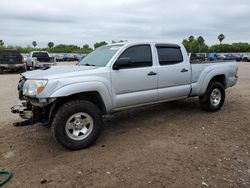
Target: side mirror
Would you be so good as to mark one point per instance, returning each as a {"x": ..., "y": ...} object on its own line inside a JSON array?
[{"x": 122, "y": 63}]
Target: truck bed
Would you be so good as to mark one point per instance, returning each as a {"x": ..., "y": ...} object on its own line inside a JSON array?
[{"x": 198, "y": 67}]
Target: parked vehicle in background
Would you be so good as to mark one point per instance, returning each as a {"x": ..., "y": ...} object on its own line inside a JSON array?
[
  {"x": 80, "y": 57},
  {"x": 246, "y": 57},
  {"x": 197, "y": 57},
  {"x": 39, "y": 59},
  {"x": 220, "y": 57},
  {"x": 72, "y": 99},
  {"x": 58, "y": 57},
  {"x": 11, "y": 60},
  {"x": 235, "y": 57},
  {"x": 69, "y": 57},
  {"x": 212, "y": 56}
]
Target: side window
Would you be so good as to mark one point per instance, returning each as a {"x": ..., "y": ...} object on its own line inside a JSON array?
[
  {"x": 169, "y": 55},
  {"x": 140, "y": 56}
]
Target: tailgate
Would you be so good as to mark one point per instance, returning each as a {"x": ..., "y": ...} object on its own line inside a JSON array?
[{"x": 43, "y": 59}]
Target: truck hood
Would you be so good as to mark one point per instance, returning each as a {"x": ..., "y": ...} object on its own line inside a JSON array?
[{"x": 57, "y": 72}]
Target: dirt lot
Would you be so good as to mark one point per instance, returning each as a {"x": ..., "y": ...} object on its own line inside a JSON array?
[{"x": 167, "y": 145}]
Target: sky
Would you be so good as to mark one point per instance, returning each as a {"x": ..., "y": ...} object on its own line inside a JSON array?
[{"x": 80, "y": 21}]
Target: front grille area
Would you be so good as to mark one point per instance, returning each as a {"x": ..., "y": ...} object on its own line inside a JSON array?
[{"x": 20, "y": 87}]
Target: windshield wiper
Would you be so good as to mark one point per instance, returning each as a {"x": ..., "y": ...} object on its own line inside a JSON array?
[{"x": 87, "y": 64}]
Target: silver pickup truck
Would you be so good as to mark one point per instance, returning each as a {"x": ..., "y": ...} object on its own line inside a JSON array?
[{"x": 73, "y": 99}]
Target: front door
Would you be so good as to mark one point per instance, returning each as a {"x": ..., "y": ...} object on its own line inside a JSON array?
[{"x": 135, "y": 83}]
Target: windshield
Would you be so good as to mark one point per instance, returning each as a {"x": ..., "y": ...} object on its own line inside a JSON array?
[{"x": 101, "y": 56}]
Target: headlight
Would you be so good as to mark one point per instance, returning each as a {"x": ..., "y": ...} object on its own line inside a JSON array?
[{"x": 33, "y": 87}]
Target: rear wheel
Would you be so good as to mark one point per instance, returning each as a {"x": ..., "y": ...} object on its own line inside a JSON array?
[
  {"x": 23, "y": 69},
  {"x": 33, "y": 66},
  {"x": 214, "y": 97},
  {"x": 77, "y": 124},
  {"x": 28, "y": 67}
]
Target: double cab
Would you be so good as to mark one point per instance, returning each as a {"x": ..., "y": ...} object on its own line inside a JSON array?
[{"x": 73, "y": 99}]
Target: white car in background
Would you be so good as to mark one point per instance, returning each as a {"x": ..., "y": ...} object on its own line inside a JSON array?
[{"x": 246, "y": 57}]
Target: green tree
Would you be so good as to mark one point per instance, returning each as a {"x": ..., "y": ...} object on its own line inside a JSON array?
[
  {"x": 86, "y": 49},
  {"x": 34, "y": 44},
  {"x": 99, "y": 44},
  {"x": 50, "y": 44},
  {"x": 201, "y": 42},
  {"x": 1, "y": 43},
  {"x": 221, "y": 37},
  {"x": 195, "y": 46},
  {"x": 191, "y": 40},
  {"x": 64, "y": 48}
]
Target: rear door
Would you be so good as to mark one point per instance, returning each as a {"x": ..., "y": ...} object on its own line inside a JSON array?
[
  {"x": 174, "y": 72},
  {"x": 137, "y": 83}
]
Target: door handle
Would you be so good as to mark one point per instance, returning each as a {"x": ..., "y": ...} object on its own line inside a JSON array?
[
  {"x": 184, "y": 70},
  {"x": 152, "y": 73}
]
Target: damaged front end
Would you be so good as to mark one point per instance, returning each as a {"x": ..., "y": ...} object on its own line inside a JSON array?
[{"x": 33, "y": 110}]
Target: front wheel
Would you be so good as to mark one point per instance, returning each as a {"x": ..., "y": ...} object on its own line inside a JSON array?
[
  {"x": 214, "y": 97},
  {"x": 77, "y": 124}
]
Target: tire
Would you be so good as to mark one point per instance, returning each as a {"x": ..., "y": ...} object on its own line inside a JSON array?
[
  {"x": 245, "y": 59},
  {"x": 33, "y": 66},
  {"x": 28, "y": 67},
  {"x": 83, "y": 114},
  {"x": 214, "y": 97},
  {"x": 22, "y": 69}
]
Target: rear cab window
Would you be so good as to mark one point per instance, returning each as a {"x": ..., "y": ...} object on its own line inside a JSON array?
[
  {"x": 169, "y": 54},
  {"x": 10, "y": 55},
  {"x": 40, "y": 54}
]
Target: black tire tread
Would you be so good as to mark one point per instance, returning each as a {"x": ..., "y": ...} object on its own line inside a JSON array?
[
  {"x": 66, "y": 108},
  {"x": 205, "y": 99}
]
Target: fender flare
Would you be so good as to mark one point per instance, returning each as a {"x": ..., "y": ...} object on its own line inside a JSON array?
[
  {"x": 82, "y": 87},
  {"x": 209, "y": 77}
]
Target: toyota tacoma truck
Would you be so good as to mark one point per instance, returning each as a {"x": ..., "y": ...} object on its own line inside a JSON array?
[
  {"x": 39, "y": 59},
  {"x": 73, "y": 99}
]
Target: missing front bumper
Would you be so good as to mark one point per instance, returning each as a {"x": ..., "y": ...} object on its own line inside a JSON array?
[
  {"x": 24, "y": 114},
  {"x": 22, "y": 111}
]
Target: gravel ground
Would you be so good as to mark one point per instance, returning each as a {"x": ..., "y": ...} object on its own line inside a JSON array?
[{"x": 167, "y": 145}]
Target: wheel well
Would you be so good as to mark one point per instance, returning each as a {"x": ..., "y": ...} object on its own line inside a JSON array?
[
  {"x": 92, "y": 96},
  {"x": 221, "y": 79}
]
